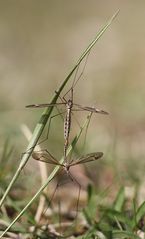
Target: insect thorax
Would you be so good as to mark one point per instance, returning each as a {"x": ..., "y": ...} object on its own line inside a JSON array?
[
  {"x": 66, "y": 167},
  {"x": 69, "y": 104}
]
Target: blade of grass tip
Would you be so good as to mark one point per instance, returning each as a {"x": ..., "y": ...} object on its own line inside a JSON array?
[
  {"x": 99, "y": 34},
  {"x": 47, "y": 112},
  {"x": 51, "y": 176}
]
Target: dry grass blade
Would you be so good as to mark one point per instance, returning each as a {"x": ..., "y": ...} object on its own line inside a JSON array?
[{"x": 43, "y": 173}]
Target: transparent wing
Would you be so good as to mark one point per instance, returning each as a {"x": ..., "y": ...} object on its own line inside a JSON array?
[
  {"x": 43, "y": 105},
  {"x": 90, "y": 109},
  {"x": 87, "y": 158},
  {"x": 45, "y": 157}
]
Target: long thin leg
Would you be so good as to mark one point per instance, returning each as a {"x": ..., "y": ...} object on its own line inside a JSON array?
[
  {"x": 75, "y": 76},
  {"x": 79, "y": 192},
  {"x": 70, "y": 177},
  {"x": 59, "y": 204},
  {"x": 59, "y": 214},
  {"x": 45, "y": 210},
  {"x": 62, "y": 98},
  {"x": 85, "y": 63},
  {"x": 71, "y": 89},
  {"x": 49, "y": 124},
  {"x": 52, "y": 197},
  {"x": 47, "y": 135},
  {"x": 86, "y": 131}
]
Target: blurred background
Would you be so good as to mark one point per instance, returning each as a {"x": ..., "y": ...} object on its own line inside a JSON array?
[{"x": 40, "y": 41}]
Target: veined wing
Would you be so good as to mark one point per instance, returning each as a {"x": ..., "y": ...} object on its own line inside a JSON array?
[
  {"x": 43, "y": 105},
  {"x": 45, "y": 157},
  {"x": 87, "y": 158},
  {"x": 90, "y": 109}
]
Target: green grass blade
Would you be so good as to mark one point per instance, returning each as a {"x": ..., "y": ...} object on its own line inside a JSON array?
[
  {"x": 119, "y": 201},
  {"x": 91, "y": 208},
  {"x": 124, "y": 235},
  {"x": 99, "y": 34},
  {"x": 113, "y": 215},
  {"x": 139, "y": 214}
]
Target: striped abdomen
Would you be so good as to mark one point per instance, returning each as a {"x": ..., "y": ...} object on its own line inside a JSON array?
[{"x": 67, "y": 125}]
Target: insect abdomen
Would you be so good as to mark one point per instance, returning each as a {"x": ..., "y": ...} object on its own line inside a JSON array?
[{"x": 67, "y": 125}]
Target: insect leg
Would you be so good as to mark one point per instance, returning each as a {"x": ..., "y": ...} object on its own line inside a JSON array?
[
  {"x": 49, "y": 124},
  {"x": 79, "y": 192},
  {"x": 47, "y": 135}
]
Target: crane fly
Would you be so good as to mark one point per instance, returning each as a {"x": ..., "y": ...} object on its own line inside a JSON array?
[
  {"x": 70, "y": 107},
  {"x": 46, "y": 157}
]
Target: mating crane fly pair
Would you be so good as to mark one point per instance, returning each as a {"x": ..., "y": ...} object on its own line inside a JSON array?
[
  {"x": 46, "y": 157},
  {"x": 70, "y": 107}
]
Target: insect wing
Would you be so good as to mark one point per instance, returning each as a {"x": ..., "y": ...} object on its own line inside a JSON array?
[
  {"x": 91, "y": 109},
  {"x": 43, "y": 105},
  {"x": 95, "y": 110},
  {"x": 87, "y": 158},
  {"x": 45, "y": 157}
]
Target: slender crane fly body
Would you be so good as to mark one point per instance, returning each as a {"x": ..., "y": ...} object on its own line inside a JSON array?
[
  {"x": 47, "y": 157},
  {"x": 70, "y": 107}
]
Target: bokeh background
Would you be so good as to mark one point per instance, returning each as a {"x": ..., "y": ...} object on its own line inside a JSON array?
[{"x": 40, "y": 41}]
